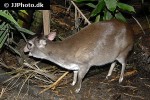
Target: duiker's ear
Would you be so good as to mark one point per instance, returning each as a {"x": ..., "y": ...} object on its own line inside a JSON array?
[
  {"x": 51, "y": 36},
  {"x": 42, "y": 43}
]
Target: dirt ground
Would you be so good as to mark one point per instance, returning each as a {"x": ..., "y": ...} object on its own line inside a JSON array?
[{"x": 135, "y": 86}]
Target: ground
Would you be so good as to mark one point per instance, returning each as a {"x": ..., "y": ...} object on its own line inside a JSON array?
[{"x": 135, "y": 86}]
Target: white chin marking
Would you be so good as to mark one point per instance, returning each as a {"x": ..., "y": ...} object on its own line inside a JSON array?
[{"x": 30, "y": 54}]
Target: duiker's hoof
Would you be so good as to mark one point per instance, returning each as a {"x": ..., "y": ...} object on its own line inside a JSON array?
[
  {"x": 73, "y": 83},
  {"x": 120, "y": 80},
  {"x": 107, "y": 77},
  {"x": 77, "y": 90}
]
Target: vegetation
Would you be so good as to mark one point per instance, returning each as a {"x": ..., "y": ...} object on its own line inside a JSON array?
[
  {"x": 107, "y": 9},
  {"x": 9, "y": 28}
]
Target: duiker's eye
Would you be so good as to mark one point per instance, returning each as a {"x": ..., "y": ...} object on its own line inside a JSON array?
[{"x": 30, "y": 45}]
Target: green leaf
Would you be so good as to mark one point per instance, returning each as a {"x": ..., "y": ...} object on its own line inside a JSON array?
[
  {"x": 108, "y": 16},
  {"x": 14, "y": 24},
  {"x": 98, "y": 8},
  {"x": 8, "y": 18},
  {"x": 125, "y": 7},
  {"x": 120, "y": 17},
  {"x": 91, "y": 5},
  {"x": 23, "y": 30},
  {"x": 79, "y": 1},
  {"x": 23, "y": 11},
  {"x": 97, "y": 19},
  {"x": 2, "y": 25},
  {"x": 3, "y": 29},
  {"x": 23, "y": 36},
  {"x": 3, "y": 38},
  {"x": 3, "y": 41},
  {"x": 111, "y": 4},
  {"x": 13, "y": 49}
]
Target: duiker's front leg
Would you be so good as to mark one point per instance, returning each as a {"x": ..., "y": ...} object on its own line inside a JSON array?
[
  {"x": 75, "y": 76},
  {"x": 82, "y": 72}
]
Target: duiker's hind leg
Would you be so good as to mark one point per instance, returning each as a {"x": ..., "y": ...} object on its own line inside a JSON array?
[
  {"x": 81, "y": 73},
  {"x": 122, "y": 59},
  {"x": 123, "y": 63},
  {"x": 111, "y": 70}
]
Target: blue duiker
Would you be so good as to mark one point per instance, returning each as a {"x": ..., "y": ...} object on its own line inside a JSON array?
[{"x": 96, "y": 44}]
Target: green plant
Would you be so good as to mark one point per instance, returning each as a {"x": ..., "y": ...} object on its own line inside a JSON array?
[
  {"x": 9, "y": 28},
  {"x": 107, "y": 9}
]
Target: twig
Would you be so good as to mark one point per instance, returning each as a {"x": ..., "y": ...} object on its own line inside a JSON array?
[
  {"x": 17, "y": 75},
  {"x": 127, "y": 74},
  {"x": 148, "y": 21},
  {"x": 147, "y": 85},
  {"x": 73, "y": 96},
  {"x": 11, "y": 84},
  {"x": 58, "y": 81},
  {"x": 128, "y": 87},
  {"x": 42, "y": 80},
  {"x": 3, "y": 64},
  {"x": 143, "y": 78},
  {"x": 35, "y": 64},
  {"x": 23, "y": 84},
  {"x": 80, "y": 12},
  {"x": 46, "y": 74},
  {"x": 53, "y": 86},
  {"x": 139, "y": 24},
  {"x": 134, "y": 96},
  {"x": 27, "y": 90},
  {"x": 42, "y": 72},
  {"x": 2, "y": 92}
]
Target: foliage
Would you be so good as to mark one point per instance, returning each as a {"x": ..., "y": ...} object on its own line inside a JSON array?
[
  {"x": 107, "y": 9},
  {"x": 22, "y": 13},
  {"x": 8, "y": 29}
]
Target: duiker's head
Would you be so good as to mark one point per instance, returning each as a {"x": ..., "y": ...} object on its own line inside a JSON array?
[{"x": 37, "y": 46}]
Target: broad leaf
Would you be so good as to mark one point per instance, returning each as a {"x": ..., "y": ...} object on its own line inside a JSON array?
[
  {"x": 2, "y": 25},
  {"x": 13, "y": 49},
  {"x": 8, "y": 18},
  {"x": 97, "y": 19},
  {"x": 79, "y": 1},
  {"x": 98, "y": 8},
  {"x": 120, "y": 17},
  {"x": 25, "y": 31},
  {"x": 125, "y": 7},
  {"x": 24, "y": 11},
  {"x": 108, "y": 15},
  {"x": 14, "y": 24},
  {"x": 3, "y": 37},
  {"x": 111, "y": 4},
  {"x": 91, "y": 5}
]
